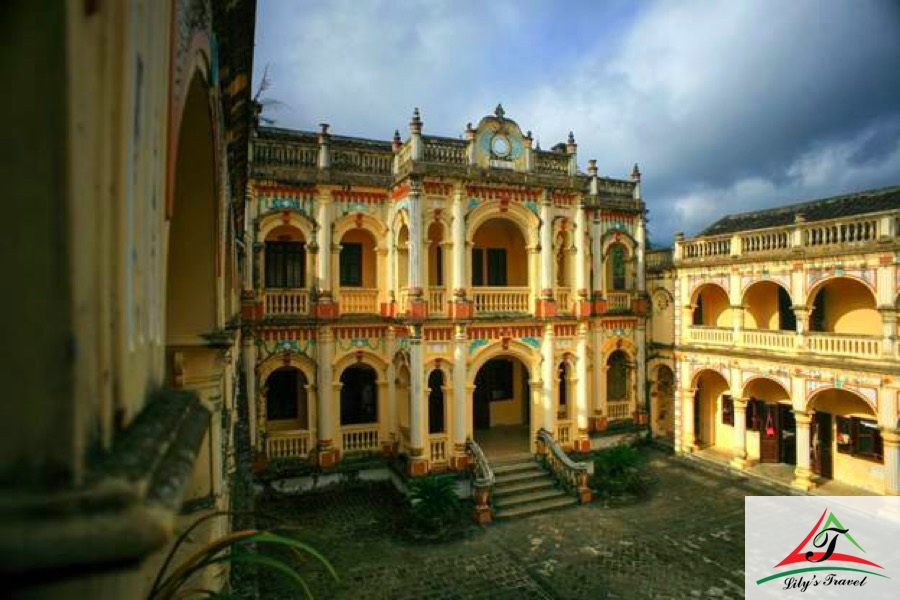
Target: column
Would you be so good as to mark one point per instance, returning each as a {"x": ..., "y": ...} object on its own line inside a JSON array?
[
  {"x": 250, "y": 386},
  {"x": 546, "y": 306},
  {"x": 889, "y": 327},
  {"x": 459, "y": 307},
  {"x": 417, "y": 306},
  {"x": 327, "y": 454},
  {"x": 803, "y": 472},
  {"x": 687, "y": 419},
  {"x": 393, "y": 415},
  {"x": 548, "y": 403},
  {"x": 323, "y": 218},
  {"x": 460, "y": 414},
  {"x": 597, "y": 263},
  {"x": 801, "y": 313},
  {"x": 581, "y": 299},
  {"x": 640, "y": 370},
  {"x": 418, "y": 465},
  {"x": 737, "y": 324},
  {"x": 582, "y": 441},
  {"x": 740, "y": 433},
  {"x": 390, "y": 307},
  {"x": 599, "y": 417},
  {"x": 890, "y": 439},
  {"x": 639, "y": 238}
]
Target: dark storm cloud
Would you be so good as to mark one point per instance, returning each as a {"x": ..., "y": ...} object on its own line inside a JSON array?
[{"x": 728, "y": 106}]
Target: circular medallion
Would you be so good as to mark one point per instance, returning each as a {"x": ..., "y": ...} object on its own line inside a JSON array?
[{"x": 500, "y": 146}]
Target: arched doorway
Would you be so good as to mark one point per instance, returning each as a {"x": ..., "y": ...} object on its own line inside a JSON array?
[
  {"x": 499, "y": 267},
  {"x": 286, "y": 400},
  {"x": 844, "y": 305},
  {"x": 713, "y": 410},
  {"x": 618, "y": 387},
  {"x": 358, "y": 272},
  {"x": 500, "y": 406},
  {"x": 436, "y": 404},
  {"x": 770, "y": 424},
  {"x": 359, "y": 395},
  {"x": 710, "y": 307},
  {"x": 663, "y": 402},
  {"x": 768, "y": 306},
  {"x": 845, "y": 441}
]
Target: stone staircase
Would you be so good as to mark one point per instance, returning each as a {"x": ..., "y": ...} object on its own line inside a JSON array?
[{"x": 522, "y": 487}]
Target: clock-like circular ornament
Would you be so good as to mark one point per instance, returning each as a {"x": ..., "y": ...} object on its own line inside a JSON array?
[{"x": 500, "y": 146}]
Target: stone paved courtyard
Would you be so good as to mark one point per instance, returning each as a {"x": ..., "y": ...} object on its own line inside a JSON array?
[{"x": 685, "y": 541}]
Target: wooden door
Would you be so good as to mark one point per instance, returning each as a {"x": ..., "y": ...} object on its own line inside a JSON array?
[
  {"x": 820, "y": 444},
  {"x": 769, "y": 433},
  {"x": 788, "y": 430}
]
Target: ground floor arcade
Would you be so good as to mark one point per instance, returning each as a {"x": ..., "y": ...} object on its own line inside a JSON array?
[
  {"x": 824, "y": 426},
  {"x": 323, "y": 393}
]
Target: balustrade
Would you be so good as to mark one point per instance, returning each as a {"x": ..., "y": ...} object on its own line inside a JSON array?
[
  {"x": 573, "y": 475},
  {"x": 704, "y": 248},
  {"x": 289, "y": 155},
  {"x": 778, "y": 340},
  {"x": 711, "y": 335},
  {"x": 359, "y": 160},
  {"x": 444, "y": 152},
  {"x": 564, "y": 299},
  {"x": 403, "y": 301},
  {"x": 618, "y": 410},
  {"x": 850, "y": 345},
  {"x": 658, "y": 260},
  {"x": 765, "y": 241},
  {"x": 564, "y": 432},
  {"x": 436, "y": 304},
  {"x": 287, "y": 444},
  {"x": 360, "y": 438},
  {"x": 359, "y": 300},
  {"x": 552, "y": 163},
  {"x": 482, "y": 481},
  {"x": 501, "y": 299},
  {"x": 618, "y": 301},
  {"x": 286, "y": 302},
  {"x": 438, "y": 443},
  {"x": 854, "y": 231}
]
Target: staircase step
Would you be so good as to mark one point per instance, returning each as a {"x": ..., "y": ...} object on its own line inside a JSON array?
[
  {"x": 528, "y": 498},
  {"x": 525, "y": 486},
  {"x": 519, "y": 476},
  {"x": 536, "y": 507},
  {"x": 515, "y": 467},
  {"x": 512, "y": 458}
]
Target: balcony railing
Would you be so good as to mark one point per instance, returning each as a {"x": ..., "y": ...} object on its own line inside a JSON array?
[
  {"x": 705, "y": 248},
  {"x": 359, "y": 438},
  {"x": 552, "y": 163},
  {"x": 619, "y": 410},
  {"x": 564, "y": 299},
  {"x": 286, "y": 302},
  {"x": 564, "y": 432},
  {"x": 436, "y": 303},
  {"x": 658, "y": 260},
  {"x": 618, "y": 301},
  {"x": 777, "y": 340},
  {"x": 704, "y": 334},
  {"x": 287, "y": 444},
  {"x": 843, "y": 345},
  {"x": 501, "y": 299},
  {"x": 438, "y": 444},
  {"x": 359, "y": 300},
  {"x": 443, "y": 152},
  {"x": 403, "y": 301}
]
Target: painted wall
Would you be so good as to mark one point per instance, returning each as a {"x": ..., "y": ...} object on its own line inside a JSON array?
[
  {"x": 501, "y": 233},
  {"x": 850, "y": 308},
  {"x": 761, "y": 306},
  {"x": 369, "y": 256}
]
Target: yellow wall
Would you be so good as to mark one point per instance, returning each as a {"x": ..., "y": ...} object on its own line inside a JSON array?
[
  {"x": 761, "y": 306},
  {"x": 850, "y": 308},
  {"x": 716, "y": 307},
  {"x": 369, "y": 256},
  {"x": 513, "y": 410}
]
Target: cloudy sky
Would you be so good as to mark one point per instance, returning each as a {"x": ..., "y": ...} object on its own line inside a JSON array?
[{"x": 727, "y": 106}]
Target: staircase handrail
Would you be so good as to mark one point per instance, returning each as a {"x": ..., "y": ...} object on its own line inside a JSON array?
[
  {"x": 573, "y": 474},
  {"x": 482, "y": 482}
]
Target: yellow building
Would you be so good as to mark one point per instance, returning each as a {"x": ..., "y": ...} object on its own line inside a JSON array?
[
  {"x": 785, "y": 335},
  {"x": 130, "y": 128},
  {"x": 407, "y": 296}
]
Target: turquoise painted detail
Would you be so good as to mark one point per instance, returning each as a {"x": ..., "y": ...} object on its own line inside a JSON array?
[
  {"x": 515, "y": 148},
  {"x": 403, "y": 204},
  {"x": 404, "y": 344},
  {"x": 484, "y": 142},
  {"x": 531, "y": 341},
  {"x": 473, "y": 203},
  {"x": 476, "y": 344},
  {"x": 839, "y": 272},
  {"x": 357, "y": 207},
  {"x": 620, "y": 332},
  {"x": 532, "y": 206}
]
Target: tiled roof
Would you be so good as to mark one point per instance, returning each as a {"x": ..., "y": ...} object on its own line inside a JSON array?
[{"x": 858, "y": 203}]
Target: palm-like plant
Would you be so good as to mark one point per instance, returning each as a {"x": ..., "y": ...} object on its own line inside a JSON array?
[
  {"x": 435, "y": 503},
  {"x": 235, "y": 547}
]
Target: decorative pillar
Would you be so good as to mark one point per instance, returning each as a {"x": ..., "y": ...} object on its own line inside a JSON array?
[
  {"x": 640, "y": 234},
  {"x": 740, "y": 433},
  {"x": 418, "y": 308},
  {"x": 250, "y": 386},
  {"x": 598, "y": 419},
  {"x": 582, "y": 441},
  {"x": 548, "y": 371},
  {"x": 598, "y": 295},
  {"x": 470, "y": 145},
  {"x": 688, "y": 442},
  {"x": 640, "y": 372},
  {"x": 418, "y": 464},
  {"x": 737, "y": 324},
  {"x": 393, "y": 415},
  {"x": 459, "y": 460},
  {"x": 803, "y": 472},
  {"x": 327, "y": 453},
  {"x": 801, "y": 315},
  {"x": 546, "y": 307},
  {"x": 324, "y": 159},
  {"x": 582, "y": 302},
  {"x": 460, "y": 308},
  {"x": 890, "y": 439},
  {"x": 389, "y": 307},
  {"x": 572, "y": 151},
  {"x": 889, "y": 328},
  {"x": 326, "y": 307},
  {"x": 417, "y": 148}
]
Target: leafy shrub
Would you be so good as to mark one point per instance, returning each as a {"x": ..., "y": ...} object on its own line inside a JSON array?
[
  {"x": 620, "y": 470},
  {"x": 435, "y": 509}
]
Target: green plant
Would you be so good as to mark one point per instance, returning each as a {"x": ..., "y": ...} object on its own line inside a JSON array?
[
  {"x": 235, "y": 547},
  {"x": 620, "y": 470},
  {"x": 435, "y": 505}
]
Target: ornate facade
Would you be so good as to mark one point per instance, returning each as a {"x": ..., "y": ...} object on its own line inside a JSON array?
[
  {"x": 405, "y": 296},
  {"x": 785, "y": 340}
]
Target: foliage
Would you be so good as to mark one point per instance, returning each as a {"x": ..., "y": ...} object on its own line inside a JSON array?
[
  {"x": 435, "y": 508},
  {"x": 620, "y": 470},
  {"x": 239, "y": 547}
]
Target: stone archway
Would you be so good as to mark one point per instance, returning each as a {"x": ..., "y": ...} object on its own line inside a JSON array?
[{"x": 501, "y": 406}]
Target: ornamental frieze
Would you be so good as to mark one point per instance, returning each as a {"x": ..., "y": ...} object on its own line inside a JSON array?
[
  {"x": 782, "y": 278},
  {"x": 867, "y": 274},
  {"x": 840, "y": 383}
]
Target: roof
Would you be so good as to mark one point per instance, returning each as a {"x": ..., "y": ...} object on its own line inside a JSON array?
[
  {"x": 313, "y": 137},
  {"x": 857, "y": 203}
]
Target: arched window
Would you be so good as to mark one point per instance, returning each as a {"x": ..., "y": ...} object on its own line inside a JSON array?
[
  {"x": 563, "y": 394},
  {"x": 285, "y": 264},
  {"x": 436, "y": 402},
  {"x": 617, "y": 376},
  {"x": 359, "y": 395},
  {"x": 286, "y": 397},
  {"x": 617, "y": 257}
]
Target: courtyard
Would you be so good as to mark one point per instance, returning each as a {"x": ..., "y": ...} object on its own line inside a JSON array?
[{"x": 685, "y": 540}]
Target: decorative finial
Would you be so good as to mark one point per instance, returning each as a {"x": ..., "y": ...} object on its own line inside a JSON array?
[
  {"x": 592, "y": 167},
  {"x": 571, "y": 138},
  {"x": 324, "y": 127},
  {"x": 415, "y": 117},
  {"x": 499, "y": 111},
  {"x": 528, "y": 135},
  {"x": 635, "y": 173},
  {"x": 537, "y": 146},
  {"x": 469, "y": 126},
  {"x": 396, "y": 135}
]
